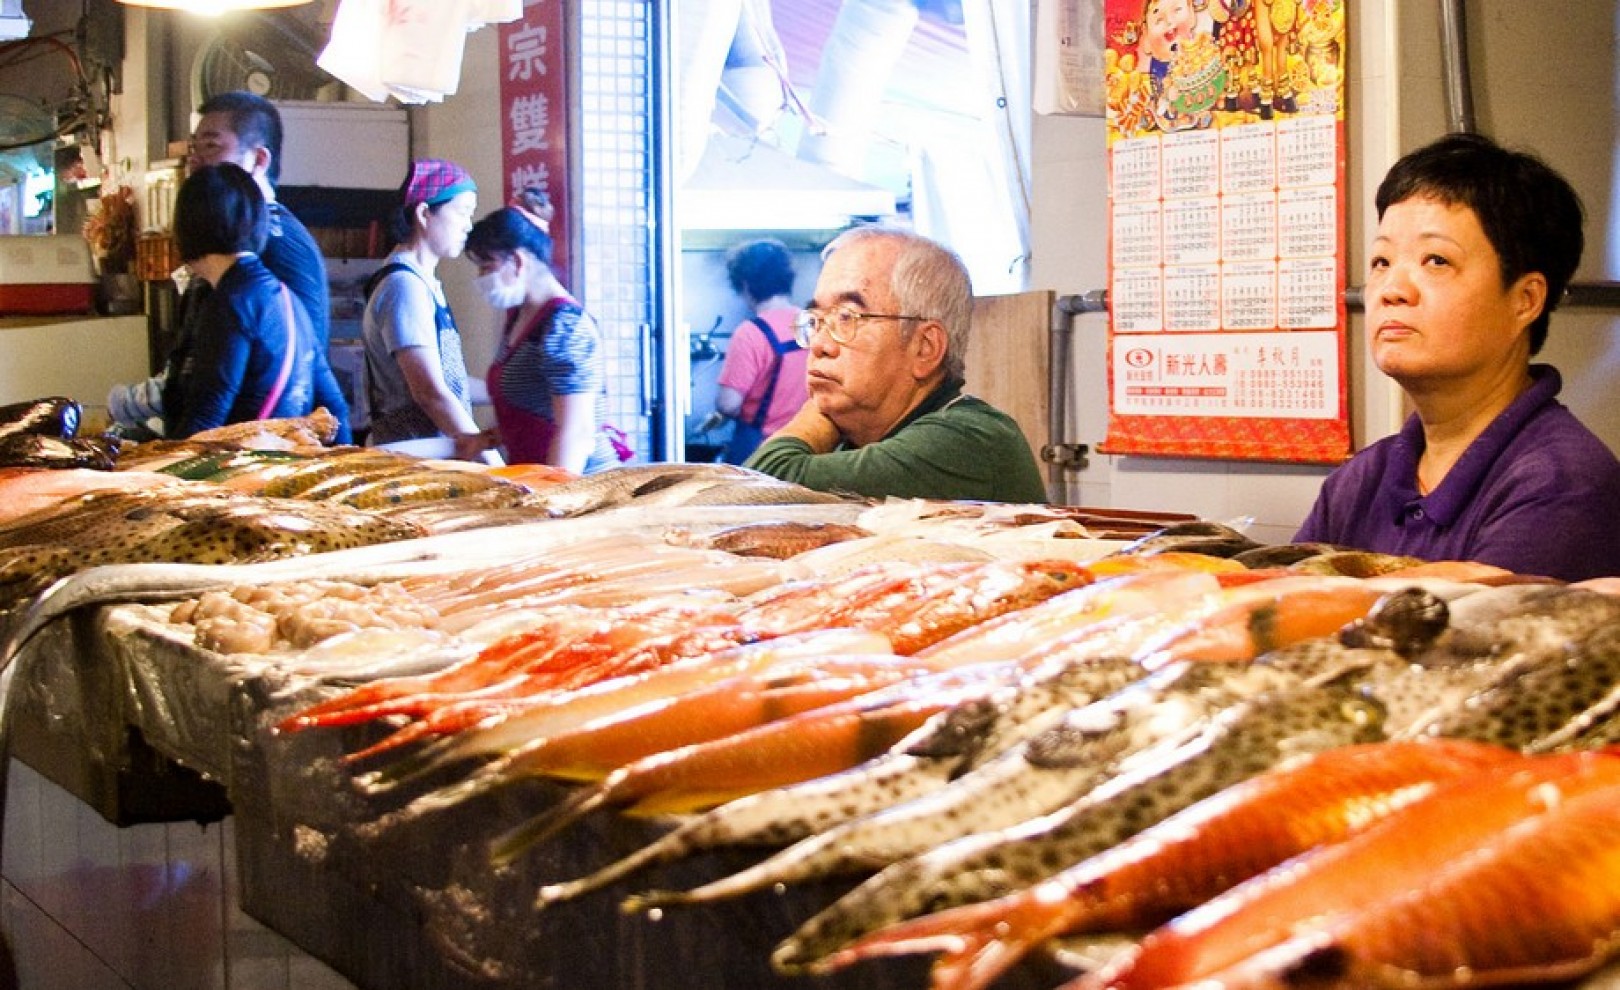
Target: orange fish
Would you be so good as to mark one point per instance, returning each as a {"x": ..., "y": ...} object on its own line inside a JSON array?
[
  {"x": 1538, "y": 903},
  {"x": 1403, "y": 851},
  {"x": 813, "y": 744}
]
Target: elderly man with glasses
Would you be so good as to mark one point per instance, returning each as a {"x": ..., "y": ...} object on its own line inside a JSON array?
[{"x": 886, "y": 415}]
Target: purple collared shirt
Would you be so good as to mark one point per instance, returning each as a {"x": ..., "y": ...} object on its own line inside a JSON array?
[{"x": 1536, "y": 493}]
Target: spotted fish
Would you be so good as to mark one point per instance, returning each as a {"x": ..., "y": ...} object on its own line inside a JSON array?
[
  {"x": 1048, "y": 771},
  {"x": 137, "y": 527},
  {"x": 951, "y": 743},
  {"x": 1239, "y": 742}
]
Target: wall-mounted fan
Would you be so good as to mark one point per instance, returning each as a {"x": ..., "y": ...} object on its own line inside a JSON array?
[{"x": 271, "y": 54}]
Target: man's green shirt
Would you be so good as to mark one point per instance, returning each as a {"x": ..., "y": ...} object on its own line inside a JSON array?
[{"x": 952, "y": 446}]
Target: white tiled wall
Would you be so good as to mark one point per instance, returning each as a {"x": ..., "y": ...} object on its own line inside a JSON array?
[{"x": 87, "y": 906}]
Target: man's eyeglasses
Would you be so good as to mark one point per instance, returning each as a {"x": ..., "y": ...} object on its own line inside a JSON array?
[{"x": 839, "y": 323}]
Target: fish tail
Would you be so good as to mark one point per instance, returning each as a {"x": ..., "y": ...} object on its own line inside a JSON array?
[
  {"x": 976, "y": 942},
  {"x": 487, "y": 781},
  {"x": 401, "y": 737},
  {"x": 507, "y": 848},
  {"x": 407, "y": 769},
  {"x": 814, "y": 857},
  {"x": 670, "y": 847}
]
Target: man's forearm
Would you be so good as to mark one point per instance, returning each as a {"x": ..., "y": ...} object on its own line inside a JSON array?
[{"x": 809, "y": 425}]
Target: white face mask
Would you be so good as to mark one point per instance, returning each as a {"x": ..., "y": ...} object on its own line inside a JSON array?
[{"x": 500, "y": 294}]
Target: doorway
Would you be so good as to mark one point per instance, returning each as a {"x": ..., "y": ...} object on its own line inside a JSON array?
[{"x": 796, "y": 119}]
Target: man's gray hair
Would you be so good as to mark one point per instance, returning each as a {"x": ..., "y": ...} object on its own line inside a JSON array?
[{"x": 929, "y": 281}]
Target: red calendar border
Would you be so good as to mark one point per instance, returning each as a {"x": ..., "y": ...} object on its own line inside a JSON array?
[{"x": 1281, "y": 439}]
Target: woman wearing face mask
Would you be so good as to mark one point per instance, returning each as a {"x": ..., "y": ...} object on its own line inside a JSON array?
[
  {"x": 547, "y": 382},
  {"x": 416, "y": 372}
]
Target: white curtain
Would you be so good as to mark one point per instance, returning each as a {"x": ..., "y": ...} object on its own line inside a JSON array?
[{"x": 972, "y": 190}]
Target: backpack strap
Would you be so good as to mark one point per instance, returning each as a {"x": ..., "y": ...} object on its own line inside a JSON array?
[
  {"x": 382, "y": 273},
  {"x": 286, "y": 357},
  {"x": 779, "y": 348}
]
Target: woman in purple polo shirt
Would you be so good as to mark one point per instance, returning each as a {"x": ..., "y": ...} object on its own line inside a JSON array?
[{"x": 1475, "y": 245}]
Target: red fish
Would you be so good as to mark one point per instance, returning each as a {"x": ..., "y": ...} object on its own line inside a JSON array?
[
  {"x": 1188, "y": 858},
  {"x": 1403, "y": 851},
  {"x": 1540, "y": 902}
]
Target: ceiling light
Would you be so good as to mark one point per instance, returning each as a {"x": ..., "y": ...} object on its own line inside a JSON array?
[{"x": 213, "y": 7}]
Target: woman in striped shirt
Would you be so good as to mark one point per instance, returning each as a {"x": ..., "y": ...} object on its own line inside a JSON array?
[{"x": 547, "y": 383}]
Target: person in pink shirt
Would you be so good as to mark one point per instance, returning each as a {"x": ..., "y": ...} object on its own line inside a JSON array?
[{"x": 762, "y": 382}]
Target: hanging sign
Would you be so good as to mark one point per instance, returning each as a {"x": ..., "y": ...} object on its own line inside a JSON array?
[
  {"x": 534, "y": 114},
  {"x": 1226, "y": 150}
]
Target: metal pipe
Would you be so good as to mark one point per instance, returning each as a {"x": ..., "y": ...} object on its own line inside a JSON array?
[
  {"x": 1454, "y": 67},
  {"x": 1057, "y": 396},
  {"x": 1060, "y": 455}
]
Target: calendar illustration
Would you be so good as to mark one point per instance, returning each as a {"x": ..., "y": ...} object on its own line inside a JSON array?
[{"x": 1226, "y": 146}]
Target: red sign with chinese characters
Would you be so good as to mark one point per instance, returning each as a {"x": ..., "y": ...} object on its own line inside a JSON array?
[
  {"x": 1226, "y": 152},
  {"x": 534, "y": 113}
]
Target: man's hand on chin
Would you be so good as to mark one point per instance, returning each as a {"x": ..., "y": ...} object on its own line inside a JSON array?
[{"x": 809, "y": 425}]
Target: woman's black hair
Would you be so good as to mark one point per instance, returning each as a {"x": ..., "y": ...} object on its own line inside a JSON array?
[
  {"x": 219, "y": 210},
  {"x": 762, "y": 268},
  {"x": 1531, "y": 215},
  {"x": 501, "y": 233},
  {"x": 402, "y": 221}
]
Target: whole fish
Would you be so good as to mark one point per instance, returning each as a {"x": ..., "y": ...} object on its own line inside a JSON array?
[
  {"x": 430, "y": 486},
  {"x": 602, "y": 745},
  {"x": 1402, "y": 852},
  {"x": 952, "y": 742},
  {"x": 1273, "y": 614},
  {"x": 525, "y": 721},
  {"x": 567, "y": 636},
  {"x": 1017, "y": 634},
  {"x": 1239, "y": 742},
  {"x": 1540, "y": 701},
  {"x": 811, "y": 744},
  {"x": 127, "y": 528},
  {"x": 778, "y": 540},
  {"x": 758, "y": 490},
  {"x": 1354, "y": 563},
  {"x": 1540, "y": 902},
  {"x": 35, "y": 450},
  {"x": 621, "y": 485},
  {"x": 960, "y": 597},
  {"x": 1048, "y": 771},
  {"x": 296, "y": 478},
  {"x": 1497, "y": 634},
  {"x": 1281, "y": 554},
  {"x": 1198, "y": 536},
  {"x": 1500, "y": 621},
  {"x": 55, "y": 416},
  {"x": 1187, "y": 858}
]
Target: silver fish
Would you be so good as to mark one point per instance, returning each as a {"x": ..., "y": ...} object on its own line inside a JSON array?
[
  {"x": 1047, "y": 772},
  {"x": 1239, "y": 742},
  {"x": 950, "y": 744},
  {"x": 1198, "y": 536},
  {"x": 621, "y": 485}
]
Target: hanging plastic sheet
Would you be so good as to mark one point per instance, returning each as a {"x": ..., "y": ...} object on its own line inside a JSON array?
[{"x": 408, "y": 49}]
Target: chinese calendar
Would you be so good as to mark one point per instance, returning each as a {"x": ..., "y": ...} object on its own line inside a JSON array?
[
  {"x": 1226, "y": 229},
  {"x": 534, "y": 114}
]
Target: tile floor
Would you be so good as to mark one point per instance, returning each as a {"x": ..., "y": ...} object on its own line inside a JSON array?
[{"x": 87, "y": 906}]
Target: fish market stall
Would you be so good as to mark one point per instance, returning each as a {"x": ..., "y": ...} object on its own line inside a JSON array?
[{"x": 651, "y": 740}]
